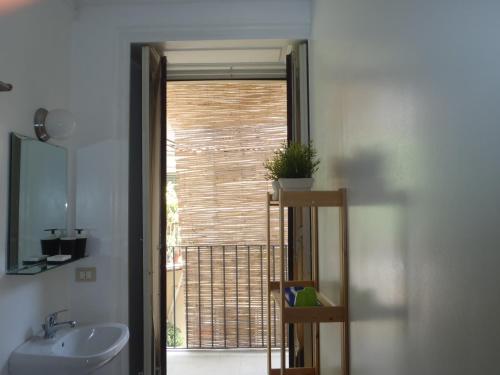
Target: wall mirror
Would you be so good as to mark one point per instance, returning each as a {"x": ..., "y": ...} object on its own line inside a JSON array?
[{"x": 38, "y": 201}]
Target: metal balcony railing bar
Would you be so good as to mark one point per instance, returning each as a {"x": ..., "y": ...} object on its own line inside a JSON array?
[{"x": 206, "y": 295}]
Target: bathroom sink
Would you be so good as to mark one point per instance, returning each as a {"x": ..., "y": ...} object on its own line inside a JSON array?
[{"x": 73, "y": 351}]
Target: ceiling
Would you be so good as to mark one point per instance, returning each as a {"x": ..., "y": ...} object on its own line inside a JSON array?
[{"x": 249, "y": 58}]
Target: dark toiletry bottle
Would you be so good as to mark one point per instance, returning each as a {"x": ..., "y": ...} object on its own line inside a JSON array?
[
  {"x": 81, "y": 242},
  {"x": 50, "y": 245},
  {"x": 68, "y": 246}
]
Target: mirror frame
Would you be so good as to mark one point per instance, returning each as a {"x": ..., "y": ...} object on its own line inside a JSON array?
[
  {"x": 14, "y": 193},
  {"x": 13, "y": 251}
]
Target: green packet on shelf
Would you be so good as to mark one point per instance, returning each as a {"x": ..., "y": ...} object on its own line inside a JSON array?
[{"x": 306, "y": 298}]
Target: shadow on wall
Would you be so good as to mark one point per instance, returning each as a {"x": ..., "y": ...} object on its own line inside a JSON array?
[
  {"x": 375, "y": 295},
  {"x": 24, "y": 302},
  {"x": 4, "y": 370},
  {"x": 364, "y": 175}
]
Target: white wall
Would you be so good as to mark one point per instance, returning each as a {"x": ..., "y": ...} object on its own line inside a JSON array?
[
  {"x": 99, "y": 98},
  {"x": 405, "y": 113},
  {"x": 34, "y": 56}
]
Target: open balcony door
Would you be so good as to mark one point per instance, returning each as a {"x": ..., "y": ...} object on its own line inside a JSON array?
[
  {"x": 154, "y": 213},
  {"x": 300, "y": 336}
]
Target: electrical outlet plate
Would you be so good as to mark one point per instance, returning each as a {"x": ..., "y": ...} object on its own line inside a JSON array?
[{"x": 85, "y": 274}]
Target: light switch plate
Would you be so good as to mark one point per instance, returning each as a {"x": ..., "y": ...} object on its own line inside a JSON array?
[{"x": 85, "y": 274}]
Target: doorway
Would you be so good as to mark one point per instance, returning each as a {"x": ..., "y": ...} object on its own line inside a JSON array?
[
  {"x": 220, "y": 132},
  {"x": 227, "y": 110},
  {"x": 226, "y": 114}
]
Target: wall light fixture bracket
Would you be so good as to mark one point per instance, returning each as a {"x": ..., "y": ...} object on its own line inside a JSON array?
[
  {"x": 5, "y": 86},
  {"x": 39, "y": 123}
]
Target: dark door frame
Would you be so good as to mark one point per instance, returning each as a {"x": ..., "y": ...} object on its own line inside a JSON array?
[
  {"x": 135, "y": 229},
  {"x": 294, "y": 134},
  {"x": 135, "y": 220},
  {"x": 163, "y": 218}
]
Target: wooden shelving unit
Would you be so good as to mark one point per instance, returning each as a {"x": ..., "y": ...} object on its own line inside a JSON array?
[{"x": 328, "y": 312}]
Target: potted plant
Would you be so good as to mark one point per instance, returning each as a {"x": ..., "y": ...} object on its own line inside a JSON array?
[
  {"x": 293, "y": 167},
  {"x": 174, "y": 336},
  {"x": 274, "y": 168}
]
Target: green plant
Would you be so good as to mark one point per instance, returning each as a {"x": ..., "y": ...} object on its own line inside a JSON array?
[
  {"x": 274, "y": 166},
  {"x": 293, "y": 161},
  {"x": 173, "y": 230},
  {"x": 174, "y": 336}
]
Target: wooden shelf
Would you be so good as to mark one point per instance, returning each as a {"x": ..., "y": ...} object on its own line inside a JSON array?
[
  {"x": 326, "y": 313},
  {"x": 294, "y": 371},
  {"x": 334, "y": 198},
  {"x": 291, "y": 283}
]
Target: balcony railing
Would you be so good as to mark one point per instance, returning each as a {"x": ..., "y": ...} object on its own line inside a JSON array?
[{"x": 217, "y": 296}]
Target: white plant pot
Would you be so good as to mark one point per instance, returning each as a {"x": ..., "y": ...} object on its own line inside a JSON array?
[
  {"x": 296, "y": 184},
  {"x": 276, "y": 190}
]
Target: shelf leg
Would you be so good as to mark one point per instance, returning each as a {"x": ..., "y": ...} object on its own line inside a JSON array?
[
  {"x": 344, "y": 298},
  {"x": 315, "y": 277},
  {"x": 268, "y": 294},
  {"x": 282, "y": 279}
]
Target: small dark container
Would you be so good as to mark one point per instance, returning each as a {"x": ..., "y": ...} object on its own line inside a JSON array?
[
  {"x": 68, "y": 246},
  {"x": 81, "y": 243},
  {"x": 50, "y": 246}
]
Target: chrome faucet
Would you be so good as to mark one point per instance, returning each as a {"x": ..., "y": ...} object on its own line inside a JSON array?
[{"x": 51, "y": 324}]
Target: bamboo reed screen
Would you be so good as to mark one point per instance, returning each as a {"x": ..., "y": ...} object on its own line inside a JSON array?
[{"x": 224, "y": 131}]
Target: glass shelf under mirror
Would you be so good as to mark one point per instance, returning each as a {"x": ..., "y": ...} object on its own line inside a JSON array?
[{"x": 35, "y": 269}]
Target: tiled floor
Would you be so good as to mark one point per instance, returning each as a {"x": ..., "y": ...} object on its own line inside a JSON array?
[{"x": 218, "y": 362}]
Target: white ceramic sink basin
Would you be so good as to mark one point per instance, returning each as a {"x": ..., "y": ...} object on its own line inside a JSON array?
[{"x": 73, "y": 351}]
